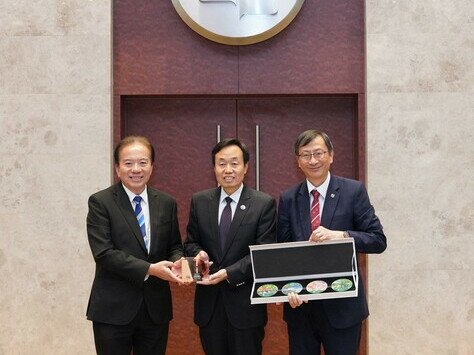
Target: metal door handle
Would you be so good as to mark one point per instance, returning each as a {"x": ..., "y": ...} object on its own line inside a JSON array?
[
  {"x": 218, "y": 138},
  {"x": 218, "y": 133},
  {"x": 257, "y": 157}
]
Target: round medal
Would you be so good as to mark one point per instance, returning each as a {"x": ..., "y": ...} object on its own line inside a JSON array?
[
  {"x": 341, "y": 285},
  {"x": 292, "y": 287},
  {"x": 267, "y": 290},
  {"x": 316, "y": 286}
]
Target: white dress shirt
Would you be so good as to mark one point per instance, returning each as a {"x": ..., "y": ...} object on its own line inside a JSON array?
[
  {"x": 322, "y": 189},
  {"x": 233, "y": 205},
  {"x": 145, "y": 209}
]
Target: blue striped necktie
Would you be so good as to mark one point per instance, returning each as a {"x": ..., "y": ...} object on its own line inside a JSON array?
[{"x": 141, "y": 219}]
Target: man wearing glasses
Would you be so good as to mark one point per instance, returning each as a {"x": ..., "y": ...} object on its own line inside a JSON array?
[{"x": 321, "y": 208}]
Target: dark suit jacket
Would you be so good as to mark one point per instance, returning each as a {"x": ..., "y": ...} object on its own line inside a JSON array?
[
  {"x": 346, "y": 208},
  {"x": 253, "y": 224},
  {"x": 121, "y": 257}
]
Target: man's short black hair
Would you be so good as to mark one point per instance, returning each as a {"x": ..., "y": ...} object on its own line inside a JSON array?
[{"x": 228, "y": 142}]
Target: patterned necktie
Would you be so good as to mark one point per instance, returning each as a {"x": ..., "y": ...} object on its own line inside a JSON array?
[
  {"x": 141, "y": 220},
  {"x": 226, "y": 220},
  {"x": 315, "y": 218}
]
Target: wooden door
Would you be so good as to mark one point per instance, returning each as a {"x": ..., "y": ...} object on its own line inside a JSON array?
[
  {"x": 184, "y": 130},
  {"x": 280, "y": 120}
]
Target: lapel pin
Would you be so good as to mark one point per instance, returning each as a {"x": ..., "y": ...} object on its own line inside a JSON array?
[
  {"x": 332, "y": 195},
  {"x": 242, "y": 207}
]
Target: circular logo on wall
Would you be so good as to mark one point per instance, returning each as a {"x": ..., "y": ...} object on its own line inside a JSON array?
[{"x": 237, "y": 22}]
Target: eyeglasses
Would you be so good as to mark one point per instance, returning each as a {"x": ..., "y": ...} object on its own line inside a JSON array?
[{"x": 319, "y": 154}]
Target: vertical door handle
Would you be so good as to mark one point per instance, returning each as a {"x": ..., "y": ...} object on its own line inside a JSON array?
[
  {"x": 257, "y": 157},
  {"x": 218, "y": 133},
  {"x": 218, "y": 137}
]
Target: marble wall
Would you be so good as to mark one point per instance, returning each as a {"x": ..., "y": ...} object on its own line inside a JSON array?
[
  {"x": 420, "y": 80},
  {"x": 55, "y": 140}
]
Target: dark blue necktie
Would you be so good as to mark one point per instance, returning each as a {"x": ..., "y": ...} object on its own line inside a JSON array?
[
  {"x": 226, "y": 220},
  {"x": 141, "y": 219}
]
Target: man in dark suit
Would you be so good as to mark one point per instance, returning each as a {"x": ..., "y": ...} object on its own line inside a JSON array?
[
  {"x": 223, "y": 222},
  {"x": 134, "y": 236},
  {"x": 339, "y": 209}
]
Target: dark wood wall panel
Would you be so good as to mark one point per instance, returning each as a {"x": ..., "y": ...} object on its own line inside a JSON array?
[
  {"x": 156, "y": 53},
  {"x": 322, "y": 51}
]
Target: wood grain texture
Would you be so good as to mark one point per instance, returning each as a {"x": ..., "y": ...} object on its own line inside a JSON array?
[
  {"x": 321, "y": 51},
  {"x": 156, "y": 53}
]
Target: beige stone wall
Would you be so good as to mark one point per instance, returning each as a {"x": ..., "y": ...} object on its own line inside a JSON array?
[
  {"x": 55, "y": 143},
  {"x": 55, "y": 139},
  {"x": 420, "y": 103}
]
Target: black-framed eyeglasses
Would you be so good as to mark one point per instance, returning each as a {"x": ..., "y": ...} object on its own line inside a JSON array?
[{"x": 318, "y": 154}]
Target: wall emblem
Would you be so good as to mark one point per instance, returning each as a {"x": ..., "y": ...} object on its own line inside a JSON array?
[{"x": 237, "y": 22}]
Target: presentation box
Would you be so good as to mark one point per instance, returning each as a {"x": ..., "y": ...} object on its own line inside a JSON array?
[{"x": 313, "y": 270}]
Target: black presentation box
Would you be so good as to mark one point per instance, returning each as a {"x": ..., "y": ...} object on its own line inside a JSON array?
[{"x": 313, "y": 270}]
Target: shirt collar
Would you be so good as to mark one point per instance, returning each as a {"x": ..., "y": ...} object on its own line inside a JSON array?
[
  {"x": 131, "y": 195},
  {"x": 235, "y": 196},
  {"x": 322, "y": 189}
]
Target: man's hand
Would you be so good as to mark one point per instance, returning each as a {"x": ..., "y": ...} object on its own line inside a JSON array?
[
  {"x": 165, "y": 270},
  {"x": 295, "y": 300},
  {"x": 202, "y": 263},
  {"x": 322, "y": 234},
  {"x": 176, "y": 267},
  {"x": 215, "y": 278}
]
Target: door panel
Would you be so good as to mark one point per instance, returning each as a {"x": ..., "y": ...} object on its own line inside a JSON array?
[
  {"x": 183, "y": 131},
  {"x": 280, "y": 121}
]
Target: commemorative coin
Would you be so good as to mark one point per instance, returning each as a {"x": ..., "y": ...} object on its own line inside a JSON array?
[
  {"x": 267, "y": 290},
  {"x": 292, "y": 287},
  {"x": 341, "y": 285},
  {"x": 316, "y": 286}
]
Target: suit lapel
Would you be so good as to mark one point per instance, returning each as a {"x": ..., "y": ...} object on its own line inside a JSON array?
[
  {"x": 122, "y": 201},
  {"x": 213, "y": 214},
  {"x": 154, "y": 208},
  {"x": 304, "y": 210},
  {"x": 330, "y": 202},
  {"x": 243, "y": 206}
]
